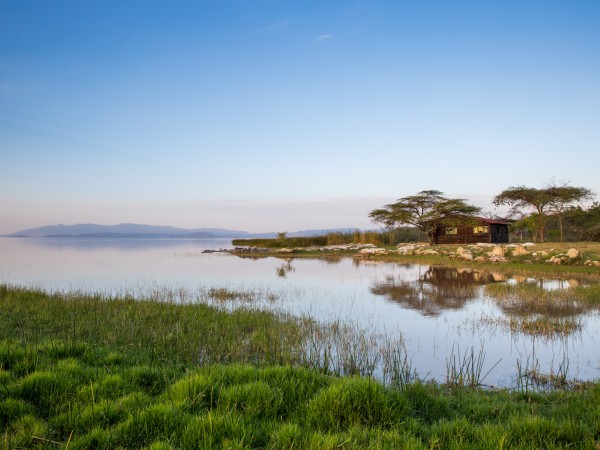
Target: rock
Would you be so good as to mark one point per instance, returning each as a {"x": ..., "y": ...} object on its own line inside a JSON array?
[
  {"x": 426, "y": 252},
  {"x": 520, "y": 251},
  {"x": 528, "y": 244},
  {"x": 467, "y": 256},
  {"x": 555, "y": 260},
  {"x": 596, "y": 263},
  {"x": 497, "y": 259},
  {"x": 460, "y": 251},
  {"x": 284, "y": 250},
  {"x": 479, "y": 259},
  {"x": 573, "y": 253},
  {"x": 373, "y": 251},
  {"x": 485, "y": 244},
  {"x": 497, "y": 251},
  {"x": 406, "y": 249}
]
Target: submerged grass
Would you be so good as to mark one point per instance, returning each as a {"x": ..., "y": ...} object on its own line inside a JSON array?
[{"x": 87, "y": 372}]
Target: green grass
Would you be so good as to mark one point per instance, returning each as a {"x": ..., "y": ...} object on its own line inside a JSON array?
[
  {"x": 86, "y": 372},
  {"x": 82, "y": 402}
]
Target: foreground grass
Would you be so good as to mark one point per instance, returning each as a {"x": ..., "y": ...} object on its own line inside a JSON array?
[{"x": 86, "y": 372}]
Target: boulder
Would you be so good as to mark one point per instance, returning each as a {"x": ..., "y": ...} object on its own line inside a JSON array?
[
  {"x": 497, "y": 251},
  {"x": 573, "y": 253},
  {"x": 406, "y": 249},
  {"x": 518, "y": 251},
  {"x": 285, "y": 250},
  {"x": 373, "y": 251},
  {"x": 467, "y": 256}
]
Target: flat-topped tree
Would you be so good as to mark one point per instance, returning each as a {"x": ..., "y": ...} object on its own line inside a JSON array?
[
  {"x": 551, "y": 198},
  {"x": 565, "y": 197},
  {"x": 427, "y": 210}
]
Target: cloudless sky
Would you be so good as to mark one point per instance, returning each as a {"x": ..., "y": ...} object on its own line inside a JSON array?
[{"x": 287, "y": 115}]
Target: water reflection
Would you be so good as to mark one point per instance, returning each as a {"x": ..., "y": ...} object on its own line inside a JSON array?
[
  {"x": 135, "y": 244},
  {"x": 437, "y": 289},
  {"x": 285, "y": 268}
]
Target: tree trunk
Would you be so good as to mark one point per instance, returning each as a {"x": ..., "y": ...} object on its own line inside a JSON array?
[{"x": 560, "y": 227}]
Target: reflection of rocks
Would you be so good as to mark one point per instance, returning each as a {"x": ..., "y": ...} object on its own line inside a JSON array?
[{"x": 436, "y": 290}]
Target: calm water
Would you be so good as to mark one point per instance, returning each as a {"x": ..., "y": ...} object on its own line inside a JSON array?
[{"x": 434, "y": 310}]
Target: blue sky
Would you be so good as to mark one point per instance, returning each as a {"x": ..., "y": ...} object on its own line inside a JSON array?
[{"x": 287, "y": 115}]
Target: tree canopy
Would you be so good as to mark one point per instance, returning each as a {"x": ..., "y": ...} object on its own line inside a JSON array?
[
  {"x": 426, "y": 210},
  {"x": 552, "y": 197}
]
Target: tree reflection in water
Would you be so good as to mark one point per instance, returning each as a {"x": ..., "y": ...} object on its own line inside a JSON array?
[{"x": 437, "y": 289}]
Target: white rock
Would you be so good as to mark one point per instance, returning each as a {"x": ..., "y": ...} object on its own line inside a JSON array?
[
  {"x": 467, "y": 256},
  {"x": 284, "y": 250},
  {"x": 528, "y": 244},
  {"x": 520, "y": 251},
  {"x": 373, "y": 251},
  {"x": 497, "y": 251},
  {"x": 573, "y": 253}
]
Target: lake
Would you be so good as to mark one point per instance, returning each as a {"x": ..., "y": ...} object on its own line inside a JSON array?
[{"x": 437, "y": 312}]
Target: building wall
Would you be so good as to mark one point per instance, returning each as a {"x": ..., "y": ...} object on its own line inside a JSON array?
[
  {"x": 464, "y": 235},
  {"x": 497, "y": 233}
]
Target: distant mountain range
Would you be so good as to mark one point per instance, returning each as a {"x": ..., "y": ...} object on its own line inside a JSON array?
[{"x": 132, "y": 230}]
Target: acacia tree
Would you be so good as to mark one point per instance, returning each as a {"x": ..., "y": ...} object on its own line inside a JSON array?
[
  {"x": 427, "y": 210},
  {"x": 565, "y": 196},
  {"x": 541, "y": 200}
]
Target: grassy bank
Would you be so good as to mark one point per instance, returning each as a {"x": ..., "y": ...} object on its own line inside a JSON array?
[
  {"x": 87, "y": 372},
  {"x": 534, "y": 263}
]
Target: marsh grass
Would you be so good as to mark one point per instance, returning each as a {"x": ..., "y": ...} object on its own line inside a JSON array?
[
  {"x": 91, "y": 372},
  {"x": 530, "y": 298},
  {"x": 466, "y": 369},
  {"x": 545, "y": 326}
]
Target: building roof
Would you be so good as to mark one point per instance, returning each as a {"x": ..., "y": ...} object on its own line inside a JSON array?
[{"x": 493, "y": 221}]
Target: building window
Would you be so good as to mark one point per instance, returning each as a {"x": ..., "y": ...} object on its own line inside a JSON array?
[
  {"x": 480, "y": 230},
  {"x": 451, "y": 230}
]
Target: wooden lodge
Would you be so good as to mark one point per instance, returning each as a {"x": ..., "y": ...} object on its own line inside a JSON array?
[{"x": 485, "y": 230}]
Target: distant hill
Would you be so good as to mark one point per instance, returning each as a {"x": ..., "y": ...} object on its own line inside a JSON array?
[
  {"x": 127, "y": 230},
  {"x": 132, "y": 230}
]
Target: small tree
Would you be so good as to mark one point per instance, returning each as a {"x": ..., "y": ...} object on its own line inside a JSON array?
[{"x": 427, "y": 210}]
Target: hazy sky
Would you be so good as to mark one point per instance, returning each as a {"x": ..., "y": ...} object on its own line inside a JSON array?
[{"x": 287, "y": 115}]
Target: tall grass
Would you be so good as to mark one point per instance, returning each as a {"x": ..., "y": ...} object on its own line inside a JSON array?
[{"x": 88, "y": 372}]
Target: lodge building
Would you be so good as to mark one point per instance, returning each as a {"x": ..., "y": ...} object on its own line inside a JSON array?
[{"x": 484, "y": 230}]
